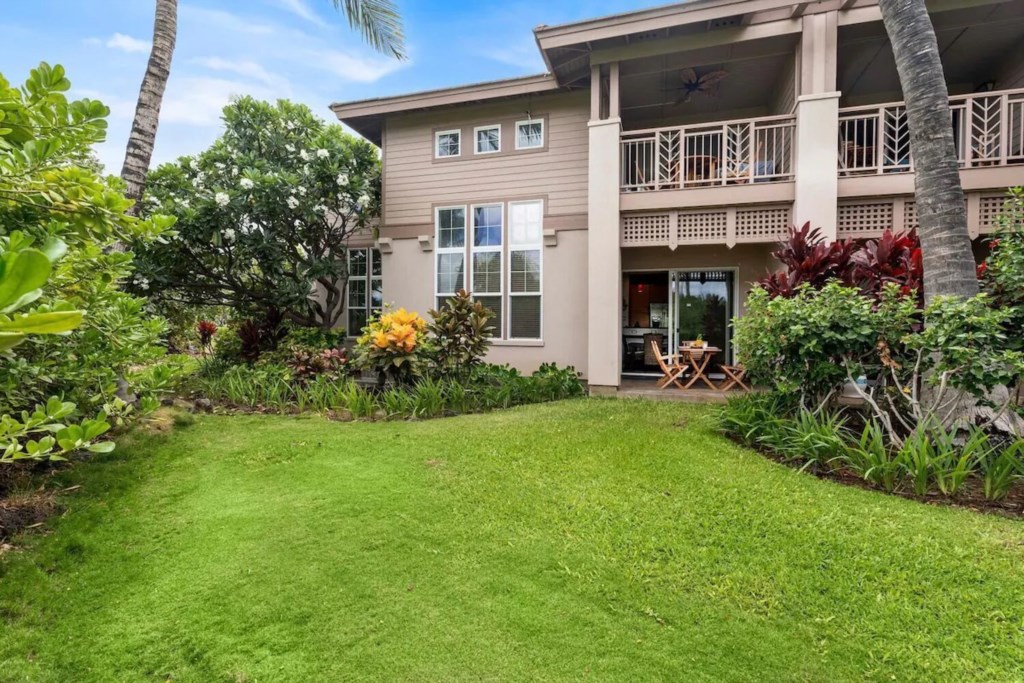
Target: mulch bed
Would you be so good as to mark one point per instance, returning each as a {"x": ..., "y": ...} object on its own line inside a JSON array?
[{"x": 24, "y": 510}]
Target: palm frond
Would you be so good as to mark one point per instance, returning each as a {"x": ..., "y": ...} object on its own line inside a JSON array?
[{"x": 379, "y": 23}]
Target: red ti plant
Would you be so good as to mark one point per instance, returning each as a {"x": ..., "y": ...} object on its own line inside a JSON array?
[
  {"x": 809, "y": 259},
  {"x": 893, "y": 258},
  {"x": 206, "y": 329}
]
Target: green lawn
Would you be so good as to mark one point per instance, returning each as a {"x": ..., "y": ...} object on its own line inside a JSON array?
[{"x": 586, "y": 540}]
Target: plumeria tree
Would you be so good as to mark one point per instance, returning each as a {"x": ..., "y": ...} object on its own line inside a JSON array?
[{"x": 264, "y": 216}]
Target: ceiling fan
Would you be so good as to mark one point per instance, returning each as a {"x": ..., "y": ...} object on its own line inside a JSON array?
[{"x": 704, "y": 84}]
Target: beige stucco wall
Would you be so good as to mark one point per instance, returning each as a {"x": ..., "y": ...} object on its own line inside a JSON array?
[
  {"x": 408, "y": 282},
  {"x": 415, "y": 181},
  {"x": 752, "y": 261}
]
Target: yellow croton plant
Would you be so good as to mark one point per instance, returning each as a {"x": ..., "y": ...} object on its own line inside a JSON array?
[{"x": 395, "y": 331}]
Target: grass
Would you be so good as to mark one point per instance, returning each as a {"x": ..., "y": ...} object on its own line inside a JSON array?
[{"x": 583, "y": 540}]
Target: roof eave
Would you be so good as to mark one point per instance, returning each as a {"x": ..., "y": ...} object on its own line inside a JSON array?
[
  {"x": 429, "y": 99},
  {"x": 626, "y": 23}
]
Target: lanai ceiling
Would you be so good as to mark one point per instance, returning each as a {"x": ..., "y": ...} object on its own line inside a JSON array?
[
  {"x": 651, "y": 87},
  {"x": 971, "y": 55}
]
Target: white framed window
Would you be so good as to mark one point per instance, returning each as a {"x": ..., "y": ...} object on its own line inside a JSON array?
[
  {"x": 530, "y": 134},
  {"x": 450, "y": 252},
  {"x": 525, "y": 274},
  {"x": 447, "y": 143},
  {"x": 365, "y": 288},
  {"x": 496, "y": 252},
  {"x": 487, "y": 260},
  {"x": 487, "y": 139}
]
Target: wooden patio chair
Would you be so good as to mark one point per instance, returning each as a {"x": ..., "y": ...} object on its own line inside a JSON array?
[
  {"x": 670, "y": 366},
  {"x": 652, "y": 350},
  {"x": 735, "y": 375}
]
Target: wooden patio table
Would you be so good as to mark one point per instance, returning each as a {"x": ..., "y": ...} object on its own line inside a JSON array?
[{"x": 699, "y": 358}]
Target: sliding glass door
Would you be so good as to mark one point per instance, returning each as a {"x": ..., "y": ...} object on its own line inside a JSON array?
[{"x": 701, "y": 304}]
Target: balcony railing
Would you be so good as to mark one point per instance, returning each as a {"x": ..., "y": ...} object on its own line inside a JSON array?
[
  {"x": 708, "y": 154},
  {"x": 988, "y": 129}
]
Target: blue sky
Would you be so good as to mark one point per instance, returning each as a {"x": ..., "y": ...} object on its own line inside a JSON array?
[{"x": 296, "y": 49}]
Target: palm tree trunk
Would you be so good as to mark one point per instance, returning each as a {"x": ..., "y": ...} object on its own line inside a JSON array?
[
  {"x": 949, "y": 267},
  {"x": 151, "y": 95}
]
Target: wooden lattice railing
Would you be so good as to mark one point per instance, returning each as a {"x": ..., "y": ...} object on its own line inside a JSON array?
[
  {"x": 708, "y": 154},
  {"x": 988, "y": 129}
]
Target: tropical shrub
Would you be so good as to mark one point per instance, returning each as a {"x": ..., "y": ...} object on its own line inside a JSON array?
[
  {"x": 1002, "y": 273},
  {"x": 41, "y": 433},
  {"x": 266, "y": 386},
  {"x": 54, "y": 196},
  {"x": 809, "y": 260},
  {"x": 249, "y": 339},
  {"x": 932, "y": 460},
  {"x": 205, "y": 329},
  {"x": 798, "y": 344},
  {"x": 394, "y": 346},
  {"x": 264, "y": 215},
  {"x": 819, "y": 341},
  {"x": 870, "y": 265},
  {"x": 894, "y": 259},
  {"x": 462, "y": 333},
  {"x": 307, "y": 365}
]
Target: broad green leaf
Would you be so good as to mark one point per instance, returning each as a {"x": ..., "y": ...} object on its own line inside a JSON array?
[
  {"x": 44, "y": 323},
  {"x": 29, "y": 270},
  {"x": 54, "y": 249},
  {"x": 101, "y": 447},
  {"x": 23, "y": 301},
  {"x": 8, "y": 340}
]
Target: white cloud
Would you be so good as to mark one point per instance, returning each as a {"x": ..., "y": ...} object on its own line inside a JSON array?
[
  {"x": 300, "y": 9},
  {"x": 350, "y": 67},
  {"x": 198, "y": 100},
  {"x": 242, "y": 67},
  {"x": 120, "y": 41},
  {"x": 225, "y": 20}
]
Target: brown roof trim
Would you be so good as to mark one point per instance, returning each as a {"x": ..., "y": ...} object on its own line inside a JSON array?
[
  {"x": 648, "y": 19},
  {"x": 509, "y": 87}
]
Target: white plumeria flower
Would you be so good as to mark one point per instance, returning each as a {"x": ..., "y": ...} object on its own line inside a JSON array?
[
  {"x": 363, "y": 200},
  {"x": 143, "y": 284},
  {"x": 194, "y": 165},
  {"x": 323, "y": 153},
  {"x": 290, "y": 148},
  {"x": 229, "y": 234},
  {"x": 302, "y": 191},
  {"x": 320, "y": 208},
  {"x": 342, "y": 179},
  {"x": 184, "y": 204},
  {"x": 292, "y": 202},
  {"x": 219, "y": 165},
  {"x": 246, "y": 184},
  {"x": 222, "y": 199},
  {"x": 304, "y": 155},
  {"x": 298, "y": 223},
  {"x": 234, "y": 171}
]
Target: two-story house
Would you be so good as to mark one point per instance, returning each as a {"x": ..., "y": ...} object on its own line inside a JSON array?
[{"x": 638, "y": 188}]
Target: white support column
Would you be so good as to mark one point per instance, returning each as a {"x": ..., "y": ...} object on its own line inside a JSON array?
[
  {"x": 604, "y": 263},
  {"x": 817, "y": 163},
  {"x": 817, "y": 126}
]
